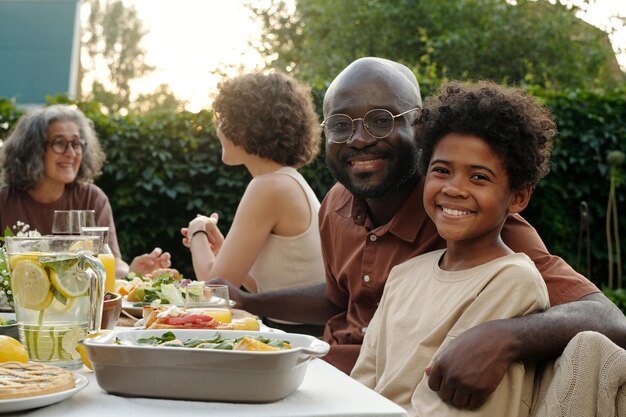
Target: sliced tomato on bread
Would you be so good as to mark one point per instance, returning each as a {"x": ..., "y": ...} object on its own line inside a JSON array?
[{"x": 189, "y": 319}]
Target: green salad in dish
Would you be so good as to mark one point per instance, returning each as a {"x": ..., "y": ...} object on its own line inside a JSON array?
[
  {"x": 7, "y": 322},
  {"x": 248, "y": 343},
  {"x": 164, "y": 288}
]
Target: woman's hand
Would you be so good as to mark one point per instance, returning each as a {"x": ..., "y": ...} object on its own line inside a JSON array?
[
  {"x": 148, "y": 262},
  {"x": 207, "y": 224}
]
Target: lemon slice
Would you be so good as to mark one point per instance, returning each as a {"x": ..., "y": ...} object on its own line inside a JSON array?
[
  {"x": 82, "y": 245},
  {"x": 70, "y": 339},
  {"x": 15, "y": 259},
  {"x": 44, "y": 345},
  {"x": 31, "y": 286},
  {"x": 71, "y": 282},
  {"x": 80, "y": 348},
  {"x": 247, "y": 323},
  {"x": 59, "y": 306},
  {"x": 40, "y": 344}
]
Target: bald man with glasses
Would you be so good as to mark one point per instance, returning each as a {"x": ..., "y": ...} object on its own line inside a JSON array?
[{"x": 374, "y": 219}]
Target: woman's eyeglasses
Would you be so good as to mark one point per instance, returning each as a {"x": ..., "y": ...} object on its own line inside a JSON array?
[{"x": 59, "y": 146}]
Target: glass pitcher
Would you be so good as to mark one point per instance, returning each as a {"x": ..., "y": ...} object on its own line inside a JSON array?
[{"x": 58, "y": 290}]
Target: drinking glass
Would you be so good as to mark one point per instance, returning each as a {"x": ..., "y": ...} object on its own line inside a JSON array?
[
  {"x": 212, "y": 299},
  {"x": 86, "y": 218},
  {"x": 58, "y": 292},
  {"x": 69, "y": 222},
  {"x": 66, "y": 222}
]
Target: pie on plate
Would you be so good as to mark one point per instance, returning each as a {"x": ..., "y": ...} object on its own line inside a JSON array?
[
  {"x": 27, "y": 403},
  {"x": 19, "y": 380}
]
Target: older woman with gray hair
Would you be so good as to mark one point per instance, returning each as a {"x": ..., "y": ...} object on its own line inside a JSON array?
[{"x": 49, "y": 162}]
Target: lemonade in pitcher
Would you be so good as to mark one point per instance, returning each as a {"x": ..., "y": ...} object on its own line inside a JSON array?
[{"x": 58, "y": 289}]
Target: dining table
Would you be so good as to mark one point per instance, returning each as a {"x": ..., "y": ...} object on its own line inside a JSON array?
[{"x": 325, "y": 391}]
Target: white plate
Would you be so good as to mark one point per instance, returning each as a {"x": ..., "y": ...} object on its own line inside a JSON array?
[
  {"x": 19, "y": 404},
  {"x": 128, "y": 307}
]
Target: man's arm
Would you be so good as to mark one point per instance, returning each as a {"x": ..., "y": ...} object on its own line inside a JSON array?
[
  {"x": 476, "y": 361},
  {"x": 301, "y": 304}
]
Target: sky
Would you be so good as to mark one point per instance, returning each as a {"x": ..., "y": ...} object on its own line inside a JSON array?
[{"x": 189, "y": 39}]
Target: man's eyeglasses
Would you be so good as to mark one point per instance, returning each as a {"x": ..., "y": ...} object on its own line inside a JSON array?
[
  {"x": 59, "y": 146},
  {"x": 378, "y": 123}
]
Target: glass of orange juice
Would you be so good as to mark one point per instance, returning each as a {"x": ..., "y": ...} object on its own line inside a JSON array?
[
  {"x": 212, "y": 299},
  {"x": 105, "y": 254}
]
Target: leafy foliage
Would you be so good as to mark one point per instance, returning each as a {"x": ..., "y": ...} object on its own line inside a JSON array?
[
  {"x": 522, "y": 42},
  {"x": 617, "y": 296},
  {"x": 591, "y": 124},
  {"x": 9, "y": 115}
]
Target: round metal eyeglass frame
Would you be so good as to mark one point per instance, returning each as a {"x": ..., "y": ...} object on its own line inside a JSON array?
[
  {"x": 59, "y": 146},
  {"x": 365, "y": 124}
]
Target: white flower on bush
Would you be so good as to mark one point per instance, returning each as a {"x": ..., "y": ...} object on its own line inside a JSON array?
[
  {"x": 22, "y": 229},
  {"x": 5, "y": 281}
]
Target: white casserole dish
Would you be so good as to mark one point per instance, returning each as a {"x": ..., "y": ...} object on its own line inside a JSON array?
[{"x": 201, "y": 374}]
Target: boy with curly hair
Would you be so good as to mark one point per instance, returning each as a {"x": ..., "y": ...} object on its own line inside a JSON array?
[{"x": 484, "y": 148}]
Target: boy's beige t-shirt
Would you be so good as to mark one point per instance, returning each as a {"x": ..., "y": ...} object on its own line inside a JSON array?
[{"x": 424, "y": 307}]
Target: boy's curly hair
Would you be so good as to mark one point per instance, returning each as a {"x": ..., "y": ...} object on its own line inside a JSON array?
[
  {"x": 269, "y": 115},
  {"x": 515, "y": 125}
]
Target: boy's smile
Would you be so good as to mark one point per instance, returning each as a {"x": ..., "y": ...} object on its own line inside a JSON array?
[{"x": 466, "y": 191}]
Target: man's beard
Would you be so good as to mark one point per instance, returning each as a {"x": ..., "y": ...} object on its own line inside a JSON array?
[{"x": 402, "y": 171}]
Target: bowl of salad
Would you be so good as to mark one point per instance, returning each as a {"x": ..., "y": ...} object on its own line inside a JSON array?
[
  {"x": 207, "y": 365},
  {"x": 162, "y": 286},
  {"x": 8, "y": 325}
]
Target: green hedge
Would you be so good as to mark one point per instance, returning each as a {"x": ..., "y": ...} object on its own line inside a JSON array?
[
  {"x": 591, "y": 124},
  {"x": 163, "y": 169}
]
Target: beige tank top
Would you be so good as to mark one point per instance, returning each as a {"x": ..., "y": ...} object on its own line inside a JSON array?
[{"x": 291, "y": 261}]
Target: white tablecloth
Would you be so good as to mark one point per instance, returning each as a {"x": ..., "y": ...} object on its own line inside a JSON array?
[{"x": 325, "y": 391}]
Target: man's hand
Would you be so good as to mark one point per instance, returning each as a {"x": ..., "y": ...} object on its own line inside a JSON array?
[{"x": 470, "y": 368}]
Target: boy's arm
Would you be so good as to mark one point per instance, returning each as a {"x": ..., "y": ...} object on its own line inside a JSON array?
[{"x": 474, "y": 368}]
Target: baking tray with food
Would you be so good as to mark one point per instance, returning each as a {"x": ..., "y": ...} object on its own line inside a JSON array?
[{"x": 253, "y": 367}]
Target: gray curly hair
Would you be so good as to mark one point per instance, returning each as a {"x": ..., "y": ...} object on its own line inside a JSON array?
[{"x": 22, "y": 153}]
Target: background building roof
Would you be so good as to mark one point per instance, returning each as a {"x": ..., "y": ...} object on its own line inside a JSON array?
[{"x": 39, "y": 49}]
